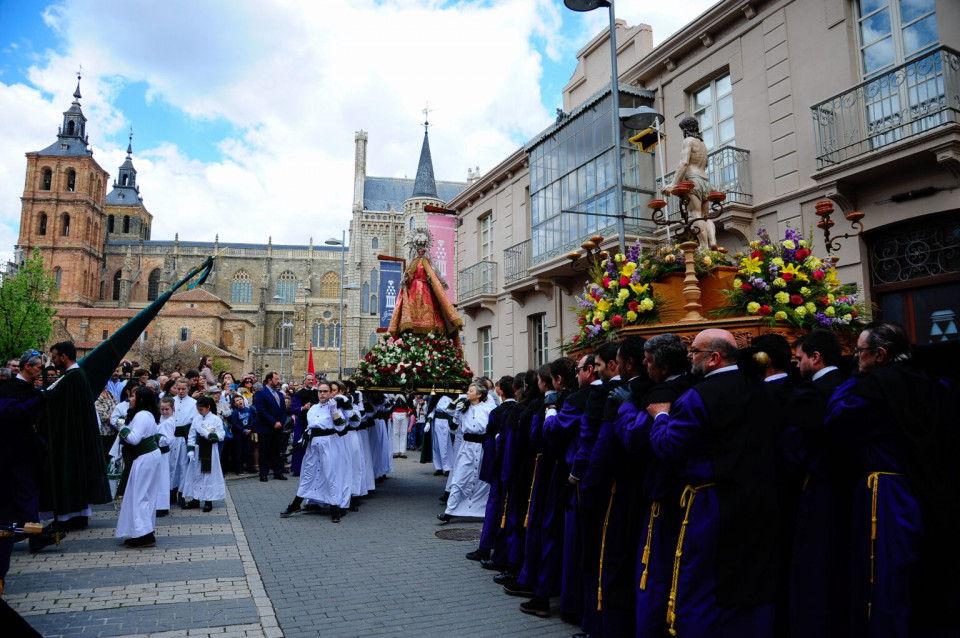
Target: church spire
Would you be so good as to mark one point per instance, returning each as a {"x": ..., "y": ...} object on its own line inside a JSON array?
[
  {"x": 425, "y": 185},
  {"x": 128, "y": 174},
  {"x": 74, "y": 122}
]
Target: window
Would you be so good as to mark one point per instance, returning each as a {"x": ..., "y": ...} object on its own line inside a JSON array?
[
  {"x": 283, "y": 340},
  {"x": 374, "y": 280},
  {"x": 104, "y": 335},
  {"x": 126, "y": 223},
  {"x": 71, "y": 180},
  {"x": 333, "y": 336},
  {"x": 43, "y": 224},
  {"x": 364, "y": 298},
  {"x": 713, "y": 108},
  {"x": 373, "y": 304},
  {"x": 411, "y": 223},
  {"x": 66, "y": 225},
  {"x": 330, "y": 285},
  {"x": 894, "y": 31},
  {"x": 374, "y": 243},
  {"x": 116, "y": 286},
  {"x": 540, "y": 348},
  {"x": 241, "y": 288},
  {"x": 184, "y": 334},
  {"x": 287, "y": 286},
  {"x": 110, "y": 223},
  {"x": 153, "y": 285},
  {"x": 319, "y": 334},
  {"x": 46, "y": 179},
  {"x": 486, "y": 238},
  {"x": 486, "y": 352},
  {"x": 57, "y": 272}
]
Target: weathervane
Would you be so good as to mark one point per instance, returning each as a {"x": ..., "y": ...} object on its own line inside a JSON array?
[{"x": 426, "y": 113}]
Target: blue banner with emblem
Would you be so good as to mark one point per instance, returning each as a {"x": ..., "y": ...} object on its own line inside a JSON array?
[{"x": 390, "y": 274}]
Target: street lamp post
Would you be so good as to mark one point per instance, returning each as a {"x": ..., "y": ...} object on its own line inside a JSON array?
[{"x": 283, "y": 326}]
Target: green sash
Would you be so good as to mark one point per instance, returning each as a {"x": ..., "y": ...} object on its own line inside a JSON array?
[
  {"x": 204, "y": 453},
  {"x": 182, "y": 431},
  {"x": 130, "y": 454}
]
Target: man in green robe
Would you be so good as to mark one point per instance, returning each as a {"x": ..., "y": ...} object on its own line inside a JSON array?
[{"x": 75, "y": 473}]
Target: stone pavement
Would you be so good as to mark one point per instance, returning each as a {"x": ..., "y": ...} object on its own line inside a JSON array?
[{"x": 243, "y": 571}]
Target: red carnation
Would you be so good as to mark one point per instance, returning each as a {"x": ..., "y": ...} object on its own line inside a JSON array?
[
  {"x": 582, "y": 320},
  {"x": 596, "y": 321},
  {"x": 764, "y": 310},
  {"x": 853, "y": 313},
  {"x": 818, "y": 275},
  {"x": 823, "y": 301},
  {"x": 606, "y": 282},
  {"x": 756, "y": 255},
  {"x": 617, "y": 321},
  {"x": 576, "y": 338},
  {"x": 746, "y": 287},
  {"x": 634, "y": 306},
  {"x": 796, "y": 300},
  {"x": 624, "y": 281},
  {"x": 802, "y": 254},
  {"x": 787, "y": 276}
]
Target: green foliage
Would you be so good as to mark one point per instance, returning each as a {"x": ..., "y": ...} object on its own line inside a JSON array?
[{"x": 27, "y": 308}]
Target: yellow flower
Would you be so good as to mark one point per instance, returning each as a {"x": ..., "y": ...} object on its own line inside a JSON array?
[
  {"x": 631, "y": 316},
  {"x": 619, "y": 258},
  {"x": 639, "y": 289},
  {"x": 605, "y": 325},
  {"x": 788, "y": 244},
  {"x": 803, "y": 243},
  {"x": 781, "y": 297},
  {"x": 847, "y": 317},
  {"x": 779, "y": 282},
  {"x": 604, "y": 263},
  {"x": 599, "y": 315},
  {"x": 604, "y": 305},
  {"x": 831, "y": 298},
  {"x": 830, "y": 311},
  {"x": 780, "y": 316},
  {"x": 646, "y": 305},
  {"x": 804, "y": 291},
  {"x": 792, "y": 269},
  {"x": 831, "y": 278},
  {"x": 670, "y": 259},
  {"x": 778, "y": 261},
  {"x": 813, "y": 263},
  {"x": 750, "y": 265},
  {"x": 753, "y": 307},
  {"x": 755, "y": 244},
  {"x": 622, "y": 296},
  {"x": 628, "y": 269},
  {"x": 707, "y": 261},
  {"x": 801, "y": 311},
  {"x": 737, "y": 282},
  {"x": 768, "y": 248},
  {"x": 811, "y": 307}
]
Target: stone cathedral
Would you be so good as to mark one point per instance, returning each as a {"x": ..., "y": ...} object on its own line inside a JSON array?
[{"x": 261, "y": 300}]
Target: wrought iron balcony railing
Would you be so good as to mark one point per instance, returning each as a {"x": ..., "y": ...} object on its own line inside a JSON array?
[
  {"x": 728, "y": 168},
  {"x": 909, "y": 100},
  {"x": 479, "y": 279},
  {"x": 516, "y": 261}
]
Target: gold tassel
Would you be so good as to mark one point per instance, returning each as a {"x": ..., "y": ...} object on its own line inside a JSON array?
[
  {"x": 603, "y": 544},
  {"x": 533, "y": 481},
  {"x": 686, "y": 500},
  {"x": 873, "y": 484},
  {"x": 654, "y": 513}
]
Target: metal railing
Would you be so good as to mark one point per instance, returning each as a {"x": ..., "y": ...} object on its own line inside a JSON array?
[
  {"x": 479, "y": 279},
  {"x": 728, "y": 169},
  {"x": 516, "y": 261},
  {"x": 909, "y": 100}
]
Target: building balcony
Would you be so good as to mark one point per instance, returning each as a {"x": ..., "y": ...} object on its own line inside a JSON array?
[
  {"x": 904, "y": 108},
  {"x": 477, "y": 288}
]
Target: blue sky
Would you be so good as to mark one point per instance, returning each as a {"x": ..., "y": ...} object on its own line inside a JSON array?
[{"x": 244, "y": 113}]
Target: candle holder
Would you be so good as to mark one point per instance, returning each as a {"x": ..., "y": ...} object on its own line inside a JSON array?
[
  {"x": 824, "y": 210},
  {"x": 583, "y": 263},
  {"x": 687, "y": 231}
]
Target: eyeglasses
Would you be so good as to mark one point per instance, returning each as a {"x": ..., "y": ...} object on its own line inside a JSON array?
[
  {"x": 583, "y": 368},
  {"x": 858, "y": 350},
  {"x": 696, "y": 351}
]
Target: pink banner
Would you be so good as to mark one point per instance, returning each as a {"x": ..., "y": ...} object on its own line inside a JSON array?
[{"x": 444, "y": 230}]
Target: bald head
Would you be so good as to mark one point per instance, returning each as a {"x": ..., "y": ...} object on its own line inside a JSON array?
[{"x": 711, "y": 350}]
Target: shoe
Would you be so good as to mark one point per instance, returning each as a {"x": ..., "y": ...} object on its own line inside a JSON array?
[
  {"x": 264, "y": 479},
  {"x": 403, "y": 456},
  {"x": 49, "y": 530},
  {"x": 537, "y": 606},
  {"x": 208, "y": 506},
  {"x": 173, "y": 496},
  {"x": 438, "y": 473},
  {"x": 489, "y": 563},
  {"x": 335, "y": 514},
  {"x": 296, "y": 475},
  {"x": 518, "y": 589},
  {"x": 446, "y": 495},
  {"x": 280, "y": 477},
  {"x": 38, "y": 542},
  {"x": 147, "y": 540},
  {"x": 505, "y": 578},
  {"x": 182, "y": 502},
  {"x": 192, "y": 505},
  {"x": 311, "y": 508},
  {"x": 291, "y": 510},
  {"x": 481, "y": 553},
  {"x": 444, "y": 518},
  {"x": 447, "y": 473},
  {"x": 162, "y": 513}
]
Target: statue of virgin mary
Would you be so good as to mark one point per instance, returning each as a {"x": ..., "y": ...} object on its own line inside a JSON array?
[{"x": 422, "y": 305}]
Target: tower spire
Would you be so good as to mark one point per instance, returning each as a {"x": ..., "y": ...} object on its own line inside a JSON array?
[{"x": 425, "y": 185}]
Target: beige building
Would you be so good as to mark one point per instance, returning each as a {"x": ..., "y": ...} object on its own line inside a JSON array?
[{"x": 798, "y": 101}]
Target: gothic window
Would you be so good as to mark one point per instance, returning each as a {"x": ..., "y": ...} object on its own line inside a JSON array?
[
  {"x": 374, "y": 243},
  {"x": 66, "y": 225},
  {"x": 71, "y": 127},
  {"x": 71, "y": 180},
  {"x": 153, "y": 285},
  {"x": 287, "y": 286},
  {"x": 365, "y": 305},
  {"x": 57, "y": 273},
  {"x": 373, "y": 304},
  {"x": 116, "y": 286},
  {"x": 110, "y": 223},
  {"x": 374, "y": 280},
  {"x": 330, "y": 285},
  {"x": 47, "y": 179},
  {"x": 241, "y": 289},
  {"x": 283, "y": 340},
  {"x": 333, "y": 336},
  {"x": 43, "y": 224},
  {"x": 126, "y": 223},
  {"x": 319, "y": 334}
]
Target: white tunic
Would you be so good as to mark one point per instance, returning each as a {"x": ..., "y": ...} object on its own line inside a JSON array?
[
  {"x": 324, "y": 473},
  {"x": 440, "y": 437},
  {"x": 163, "y": 485},
  {"x": 197, "y": 485},
  {"x": 185, "y": 411},
  {"x": 138, "y": 512},
  {"x": 365, "y": 443},
  {"x": 468, "y": 494}
]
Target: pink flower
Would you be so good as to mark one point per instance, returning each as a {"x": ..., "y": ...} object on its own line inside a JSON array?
[{"x": 606, "y": 282}]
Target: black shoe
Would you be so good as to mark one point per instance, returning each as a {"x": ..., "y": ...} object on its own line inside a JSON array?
[
  {"x": 438, "y": 473},
  {"x": 335, "y": 514},
  {"x": 162, "y": 513},
  {"x": 446, "y": 495},
  {"x": 280, "y": 477},
  {"x": 447, "y": 473},
  {"x": 208, "y": 506},
  {"x": 489, "y": 563},
  {"x": 291, "y": 510},
  {"x": 538, "y": 606},
  {"x": 38, "y": 542},
  {"x": 311, "y": 508},
  {"x": 518, "y": 589},
  {"x": 173, "y": 496},
  {"x": 147, "y": 540},
  {"x": 182, "y": 502},
  {"x": 264, "y": 479},
  {"x": 444, "y": 518},
  {"x": 481, "y": 553},
  {"x": 192, "y": 505}
]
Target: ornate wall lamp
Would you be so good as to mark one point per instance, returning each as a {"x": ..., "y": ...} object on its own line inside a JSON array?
[{"x": 824, "y": 210}]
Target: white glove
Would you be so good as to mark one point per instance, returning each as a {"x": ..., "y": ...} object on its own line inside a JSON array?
[
  {"x": 426, "y": 428},
  {"x": 192, "y": 455}
]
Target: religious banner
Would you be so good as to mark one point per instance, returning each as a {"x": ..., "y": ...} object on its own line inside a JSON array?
[
  {"x": 444, "y": 230},
  {"x": 391, "y": 271}
]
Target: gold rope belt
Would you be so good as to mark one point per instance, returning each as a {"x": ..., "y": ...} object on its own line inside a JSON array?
[
  {"x": 533, "y": 481},
  {"x": 603, "y": 543},
  {"x": 873, "y": 484},
  {"x": 654, "y": 513},
  {"x": 686, "y": 500},
  {"x": 503, "y": 519}
]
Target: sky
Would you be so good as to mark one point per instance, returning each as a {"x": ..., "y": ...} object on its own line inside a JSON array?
[{"x": 244, "y": 112}]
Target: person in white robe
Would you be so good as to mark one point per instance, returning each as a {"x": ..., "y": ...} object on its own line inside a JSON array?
[
  {"x": 386, "y": 442},
  {"x": 325, "y": 472},
  {"x": 366, "y": 424},
  {"x": 351, "y": 439},
  {"x": 185, "y": 409},
  {"x": 138, "y": 511},
  {"x": 457, "y": 441},
  {"x": 468, "y": 494},
  {"x": 167, "y": 438},
  {"x": 203, "y": 480},
  {"x": 439, "y": 421}
]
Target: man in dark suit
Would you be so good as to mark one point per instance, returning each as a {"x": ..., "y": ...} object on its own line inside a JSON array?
[{"x": 271, "y": 413}]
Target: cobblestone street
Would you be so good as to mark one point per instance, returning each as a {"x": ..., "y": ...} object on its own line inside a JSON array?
[{"x": 243, "y": 571}]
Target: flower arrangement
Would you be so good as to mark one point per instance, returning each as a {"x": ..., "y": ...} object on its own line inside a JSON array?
[
  {"x": 666, "y": 258},
  {"x": 784, "y": 281},
  {"x": 618, "y": 294},
  {"x": 411, "y": 359}
]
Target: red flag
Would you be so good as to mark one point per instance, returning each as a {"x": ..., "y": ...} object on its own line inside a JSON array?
[{"x": 310, "y": 361}]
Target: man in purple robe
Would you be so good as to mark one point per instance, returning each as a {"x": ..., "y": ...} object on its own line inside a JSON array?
[
  {"x": 719, "y": 436},
  {"x": 904, "y": 561}
]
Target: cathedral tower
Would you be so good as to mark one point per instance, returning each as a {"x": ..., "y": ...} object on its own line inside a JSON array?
[
  {"x": 62, "y": 210},
  {"x": 127, "y": 217}
]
